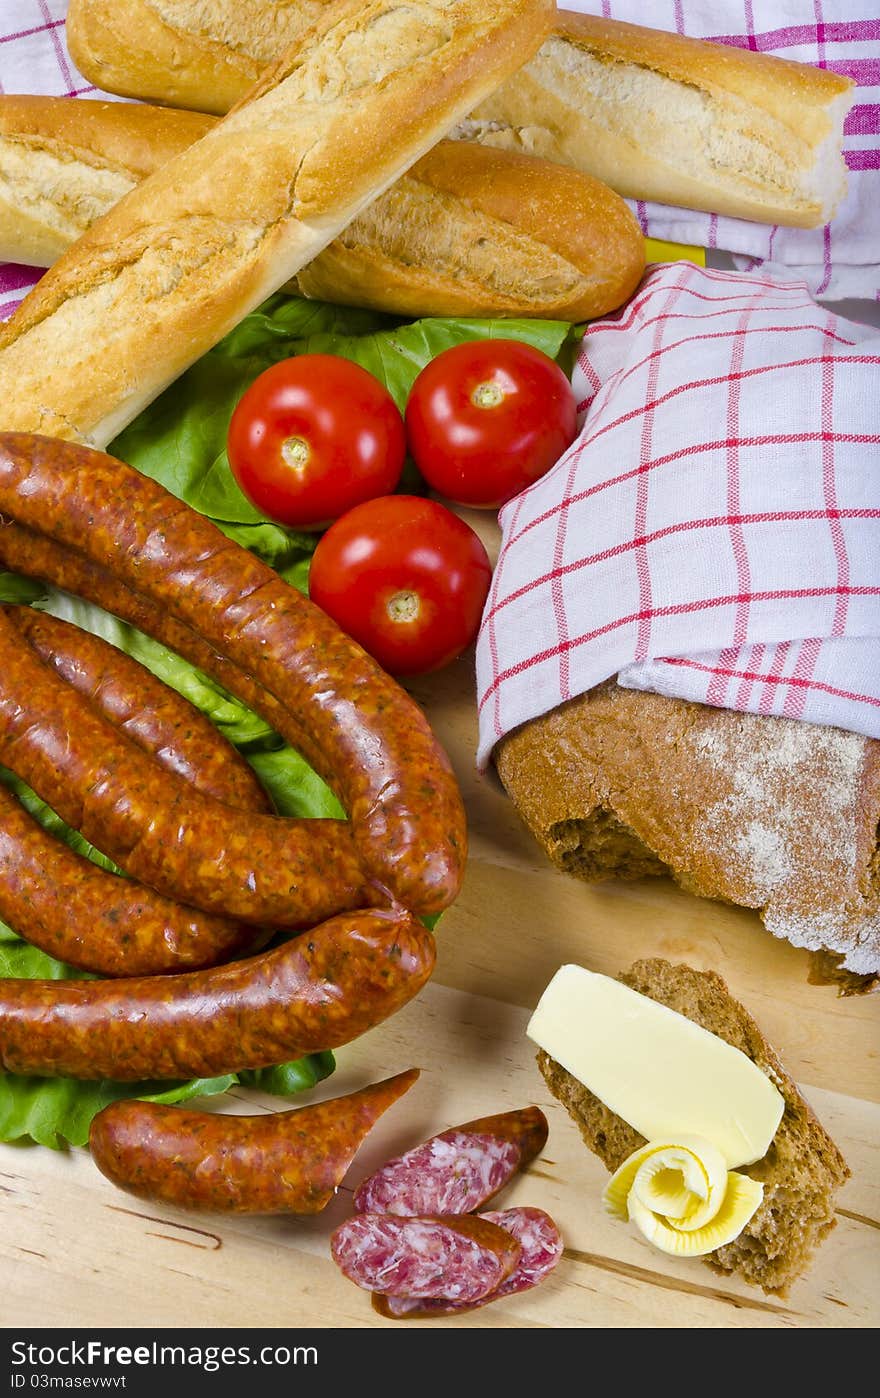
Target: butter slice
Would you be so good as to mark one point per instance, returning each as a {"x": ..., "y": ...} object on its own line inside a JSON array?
[{"x": 658, "y": 1070}]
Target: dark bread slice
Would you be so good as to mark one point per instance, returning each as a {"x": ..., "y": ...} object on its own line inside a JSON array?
[{"x": 801, "y": 1171}]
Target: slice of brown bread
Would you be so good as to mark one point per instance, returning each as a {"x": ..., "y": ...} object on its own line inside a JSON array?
[{"x": 801, "y": 1171}]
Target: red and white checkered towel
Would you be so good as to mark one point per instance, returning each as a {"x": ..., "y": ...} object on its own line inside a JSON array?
[{"x": 714, "y": 532}]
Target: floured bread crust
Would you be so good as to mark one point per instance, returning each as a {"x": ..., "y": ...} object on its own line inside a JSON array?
[{"x": 767, "y": 813}]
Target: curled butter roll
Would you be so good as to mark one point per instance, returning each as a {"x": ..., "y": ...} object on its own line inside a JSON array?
[{"x": 682, "y": 1196}]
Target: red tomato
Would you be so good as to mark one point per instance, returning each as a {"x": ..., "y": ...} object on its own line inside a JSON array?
[
  {"x": 406, "y": 578},
  {"x": 487, "y": 418},
  {"x": 314, "y": 436}
]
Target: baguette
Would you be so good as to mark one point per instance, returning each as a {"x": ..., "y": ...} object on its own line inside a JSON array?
[
  {"x": 654, "y": 115},
  {"x": 184, "y": 256},
  {"x": 660, "y": 116},
  {"x": 183, "y": 52},
  {"x": 64, "y": 164},
  {"x": 801, "y": 1172},
  {"x": 468, "y": 231},
  {"x": 763, "y": 812}
]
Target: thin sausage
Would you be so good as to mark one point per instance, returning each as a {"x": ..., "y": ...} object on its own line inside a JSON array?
[
  {"x": 541, "y": 1249},
  {"x": 460, "y": 1259},
  {"x": 318, "y": 991},
  {"x": 354, "y": 724},
  {"x": 148, "y": 711},
  {"x": 459, "y": 1170},
  {"x": 261, "y": 869},
  {"x": 284, "y": 1162}
]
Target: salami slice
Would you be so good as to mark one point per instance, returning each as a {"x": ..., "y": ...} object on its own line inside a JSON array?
[
  {"x": 458, "y": 1171},
  {"x": 463, "y": 1259},
  {"x": 541, "y": 1245}
]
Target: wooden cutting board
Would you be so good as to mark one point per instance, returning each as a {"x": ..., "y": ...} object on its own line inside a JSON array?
[{"x": 75, "y": 1251}]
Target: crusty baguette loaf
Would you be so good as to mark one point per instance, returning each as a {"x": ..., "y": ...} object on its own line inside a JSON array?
[
  {"x": 802, "y": 1170},
  {"x": 178, "y": 262},
  {"x": 467, "y": 231},
  {"x": 64, "y": 164},
  {"x": 653, "y": 114},
  {"x": 660, "y": 116},
  {"x": 462, "y": 235},
  {"x": 768, "y": 813},
  {"x": 184, "y": 52}
]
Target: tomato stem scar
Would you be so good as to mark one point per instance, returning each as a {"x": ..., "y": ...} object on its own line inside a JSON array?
[
  {"x": 487, "y": 395},
  {"x": 296, "y": 452},
  {"x": 403, "y": 606}
]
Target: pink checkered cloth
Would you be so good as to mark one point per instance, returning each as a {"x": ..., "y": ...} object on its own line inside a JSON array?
[{"x": 714, "y": 531}]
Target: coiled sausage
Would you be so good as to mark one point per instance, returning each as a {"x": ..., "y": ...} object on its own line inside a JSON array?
[
  {"x": 94, "y": 920},
  {"x": 354, "y": 724},
  {"x": 262, "y": 869},
  {"x": 147, "y": 710},
  {"x": 65, "y": 904}
]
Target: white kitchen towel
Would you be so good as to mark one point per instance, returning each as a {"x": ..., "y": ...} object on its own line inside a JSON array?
[
  {"x": 714, "y": 531},
  {"x": 842, "y": 259}
]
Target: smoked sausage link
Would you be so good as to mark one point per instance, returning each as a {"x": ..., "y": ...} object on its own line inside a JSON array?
[
  {"x": 39, "y": 557},
  {"x": 284, "y": 1162},
  {"x": 152, "y": 823},
  {"x": 459, "y": 1170},
  {"x": 318, "y": 991},
  {"x": 458, "y": 1259},
  {"x": 353, "y": 723},
  {"x": 94, "y": 920}
]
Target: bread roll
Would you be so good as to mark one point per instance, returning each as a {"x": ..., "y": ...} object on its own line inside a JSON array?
[
  {"x": 504, "y": 236},
  {"x": 652, "y": 114},
  {"x": 468, "y": 231},
  {"x": 764, "y": 812},
  {"x": 176, "y": 264},
  {"x": 659, "y": 116}
]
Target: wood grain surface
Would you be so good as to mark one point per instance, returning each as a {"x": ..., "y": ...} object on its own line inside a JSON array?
[{"x": 75, "y": 1251}]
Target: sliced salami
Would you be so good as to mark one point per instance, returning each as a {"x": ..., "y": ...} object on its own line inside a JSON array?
[
  {"x": 458, "y": 1171},
  {"x": 463, "y": 1259},
  {"x": 541, "y": 1245}
]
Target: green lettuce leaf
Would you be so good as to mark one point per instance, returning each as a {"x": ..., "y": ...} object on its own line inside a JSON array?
[{"x": 14, "y": 588}]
